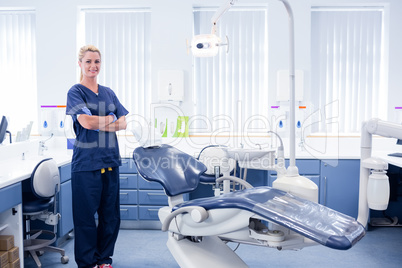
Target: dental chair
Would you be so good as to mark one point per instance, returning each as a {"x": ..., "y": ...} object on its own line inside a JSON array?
[
  {"x": 199, "y": 229},
  {"x": 40, "y": 203}
]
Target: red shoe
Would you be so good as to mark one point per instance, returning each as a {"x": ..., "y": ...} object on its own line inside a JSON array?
[{"x": 105, "y": 266}]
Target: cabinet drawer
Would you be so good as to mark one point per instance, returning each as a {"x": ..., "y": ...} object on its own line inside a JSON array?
[
  {"x": 65, "y": 173},
  {"x": 128, "y": 181},
  {"x": 129, "y": 197},
  {"x": 152, "y": 185},
  {"x": 153, "y": 197},
  {"x": 149, "y": 213},
  {"x": 127, "y": 166},
  {"x": 128, "y": 212}
]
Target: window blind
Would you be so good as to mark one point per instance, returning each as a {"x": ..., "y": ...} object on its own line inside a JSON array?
[
  {"x": 123, "y": 37},
  {"x": 18, "y": 68},
  {"x": 230, "y": 89},
  {"x": 348, "y": 80}
]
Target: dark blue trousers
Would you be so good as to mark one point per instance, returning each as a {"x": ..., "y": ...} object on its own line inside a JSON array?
[{"x": 94, "y": 191}]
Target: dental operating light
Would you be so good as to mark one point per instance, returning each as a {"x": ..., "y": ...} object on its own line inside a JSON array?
[{"x": 207, "y": 45}]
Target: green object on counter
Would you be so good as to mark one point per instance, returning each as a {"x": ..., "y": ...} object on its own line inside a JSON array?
[
  {"x": 164, "y": 135},
  {"x": 181, "y": 127}
]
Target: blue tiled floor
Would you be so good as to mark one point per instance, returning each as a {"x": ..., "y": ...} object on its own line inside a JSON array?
[{"x": 381, "y": 247}]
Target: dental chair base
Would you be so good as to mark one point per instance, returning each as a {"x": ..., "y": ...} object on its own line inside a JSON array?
[{"x": 210, "y": 251}]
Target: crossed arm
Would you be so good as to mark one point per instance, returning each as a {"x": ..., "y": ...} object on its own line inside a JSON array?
[{"x": 102, "y": 123}]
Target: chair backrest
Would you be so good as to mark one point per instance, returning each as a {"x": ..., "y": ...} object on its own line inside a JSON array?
[
  {"x": 178, "y": 172},
  {"x": 45, "y": 179}
]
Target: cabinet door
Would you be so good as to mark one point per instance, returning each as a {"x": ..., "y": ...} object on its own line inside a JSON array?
[
  {"x": 340, "y": 185},
  {"x": 65, "y": 173},
  {"x": 65, "y": 209}
]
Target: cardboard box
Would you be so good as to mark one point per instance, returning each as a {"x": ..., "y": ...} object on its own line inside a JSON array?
[
  {"x": 13, "y": 254},
  {"x": 3, "y": 258},
  {"x": 14, "y": 264},
  {"x": 6, "y": 242}
]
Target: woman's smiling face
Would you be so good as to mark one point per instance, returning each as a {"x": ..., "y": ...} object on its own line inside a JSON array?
[{"x": 90, "y": 64}]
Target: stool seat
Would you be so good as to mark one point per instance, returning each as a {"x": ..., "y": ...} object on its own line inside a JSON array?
[{"x": 32, "y": 205}]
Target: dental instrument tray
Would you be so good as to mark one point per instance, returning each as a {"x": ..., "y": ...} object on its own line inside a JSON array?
[{"x": 179, "y": 173}]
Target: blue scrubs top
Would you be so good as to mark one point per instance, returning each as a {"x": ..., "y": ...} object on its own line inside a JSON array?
[{"x": 93, "y": 150}]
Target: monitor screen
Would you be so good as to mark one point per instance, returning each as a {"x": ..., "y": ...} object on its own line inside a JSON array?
[
  {"x": 3, "y": 129},
  {"x": 399, "y": 142}
]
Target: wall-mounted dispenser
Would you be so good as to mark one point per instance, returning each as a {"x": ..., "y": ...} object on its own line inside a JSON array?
[
  {"x": 171, "y": 85},
  {"x": 52, "y": 120}
]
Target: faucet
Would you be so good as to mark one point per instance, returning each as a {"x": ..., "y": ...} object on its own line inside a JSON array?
[{"x": 42, "y": 146}]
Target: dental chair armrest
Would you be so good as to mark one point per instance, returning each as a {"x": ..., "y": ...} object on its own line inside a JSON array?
[
  {"x": 235, "y": 179},
  {"x": 198, "y": 214}
]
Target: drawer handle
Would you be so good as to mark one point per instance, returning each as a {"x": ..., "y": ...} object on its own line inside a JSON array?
[
  {"x": 123, "y": 210},
  {"x": 123, "y": 178},
  {"x": 124, "y": 162},
  {"x": 158, "y": 194},
  {"x": 123, "y": 193}
]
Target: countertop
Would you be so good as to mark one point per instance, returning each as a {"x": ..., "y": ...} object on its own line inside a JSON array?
[{"x": 17, "y": 161}]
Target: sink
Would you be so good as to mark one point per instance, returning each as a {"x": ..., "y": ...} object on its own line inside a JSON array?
[{"x": 241, "y": 154}]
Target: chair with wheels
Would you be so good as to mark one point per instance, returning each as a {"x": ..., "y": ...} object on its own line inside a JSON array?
[{"x": 40, "y": 203}]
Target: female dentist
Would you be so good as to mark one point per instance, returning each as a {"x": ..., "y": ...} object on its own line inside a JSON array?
[{"x": 97, "y": 115}]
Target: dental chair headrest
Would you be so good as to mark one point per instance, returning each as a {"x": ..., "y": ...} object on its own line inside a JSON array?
[{"x": 178, "y": 172}]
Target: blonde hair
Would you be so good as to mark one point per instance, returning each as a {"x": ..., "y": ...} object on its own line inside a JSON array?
[{"x": 84, "y": 50}]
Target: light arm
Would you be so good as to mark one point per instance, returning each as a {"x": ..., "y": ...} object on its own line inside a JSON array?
[
  {"x": 219, "y": 13},
  {"x": 384, "y": 128}
]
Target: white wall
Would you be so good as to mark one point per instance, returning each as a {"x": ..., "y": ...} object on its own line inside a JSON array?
[{"x": 171, "y": 25}]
